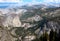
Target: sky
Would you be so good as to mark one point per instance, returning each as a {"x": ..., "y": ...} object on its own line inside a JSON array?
[{"x": 23, "y": 2}]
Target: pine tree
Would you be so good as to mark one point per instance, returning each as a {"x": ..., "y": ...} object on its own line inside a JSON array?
[{"x": 44, "y": 37}]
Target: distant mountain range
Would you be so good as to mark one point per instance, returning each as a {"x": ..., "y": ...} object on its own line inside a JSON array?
[{"x": 10, "y": 5}]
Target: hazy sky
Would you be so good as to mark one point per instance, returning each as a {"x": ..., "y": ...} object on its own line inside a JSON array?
[{"x": 29, "y": 0}]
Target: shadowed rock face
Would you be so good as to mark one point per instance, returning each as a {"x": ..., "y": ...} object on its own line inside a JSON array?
[{"x": 2, "y": 19}]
